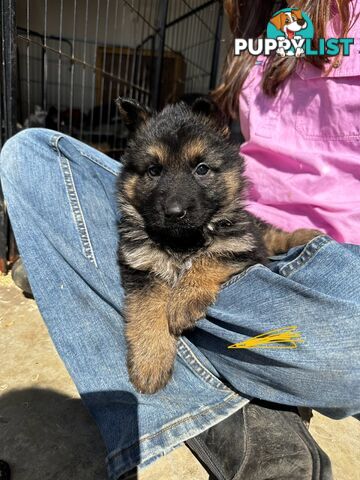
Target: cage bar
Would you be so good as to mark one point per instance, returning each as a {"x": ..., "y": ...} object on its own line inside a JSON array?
[{"x": 64, "y": 63}]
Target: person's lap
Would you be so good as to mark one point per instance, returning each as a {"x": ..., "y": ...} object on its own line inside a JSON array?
[{"x": 61, "y": 201}]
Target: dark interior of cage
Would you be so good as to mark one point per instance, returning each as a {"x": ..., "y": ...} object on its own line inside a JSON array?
[
  {"x": 64, "y": 62},
  {"x": 74, "y": 58}
]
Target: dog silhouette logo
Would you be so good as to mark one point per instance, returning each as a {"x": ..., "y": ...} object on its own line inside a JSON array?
[{"x": 291, "y": 28}]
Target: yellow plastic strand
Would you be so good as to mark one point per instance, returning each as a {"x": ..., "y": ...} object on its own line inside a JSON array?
[{"x": 285, "y": 337}]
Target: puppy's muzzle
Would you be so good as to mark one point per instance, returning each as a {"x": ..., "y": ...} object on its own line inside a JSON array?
[{"x": 174, "y": 211}]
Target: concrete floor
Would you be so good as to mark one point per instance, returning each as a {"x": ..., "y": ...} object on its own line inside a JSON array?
[{"x": 40, "y": 410}]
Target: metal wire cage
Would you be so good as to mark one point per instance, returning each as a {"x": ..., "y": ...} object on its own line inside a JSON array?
[{"x": 65, "y": 61}]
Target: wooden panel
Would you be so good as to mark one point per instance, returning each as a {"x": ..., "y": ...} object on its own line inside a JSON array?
[{"x": 121, "y": 59}]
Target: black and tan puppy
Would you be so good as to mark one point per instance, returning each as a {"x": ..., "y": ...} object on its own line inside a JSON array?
[{"x": 184, "y": 230}]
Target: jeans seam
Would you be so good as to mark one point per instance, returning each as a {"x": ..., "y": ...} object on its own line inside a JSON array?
[
  {"x": 236, "y": 278},
  {"x": 306, "y": 255},
  {"x": 116, "y": 452},
  {"x": 76, "y": 209},
  {"x": 54, "y": 143},
  {"x": 98, "y": 162},
  {"x": 309, "y": 252},
  {"x": 168, "y": 427},
  {"x": 185, "y": 352}
]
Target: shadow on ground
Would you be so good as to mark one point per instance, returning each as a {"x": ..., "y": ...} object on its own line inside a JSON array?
[{"x": 47, "y": 434}]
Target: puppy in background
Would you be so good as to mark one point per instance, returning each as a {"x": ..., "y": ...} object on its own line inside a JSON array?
[{"x": 183, "y": 231}]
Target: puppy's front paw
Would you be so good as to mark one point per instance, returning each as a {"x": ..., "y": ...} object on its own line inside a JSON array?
[
  {"x": 278, "y": 241},
  {"x": 183, "y": 314},
  {"x": 180, "y": 319},
  {"x": 149, "y": 379},
  {"x": 303, "y": 236},
  {"x": 150, "y": 365}
]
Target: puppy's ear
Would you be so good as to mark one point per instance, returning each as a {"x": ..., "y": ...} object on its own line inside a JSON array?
[
  {"x": 205, "y": 106},
  {"x": 297, "y": 13},
  {"x": 279, "y": 20},
  {"x": 132, "y": 112}
]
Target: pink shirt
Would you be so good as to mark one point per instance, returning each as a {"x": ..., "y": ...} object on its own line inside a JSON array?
[{"x": 302, "y": 148}]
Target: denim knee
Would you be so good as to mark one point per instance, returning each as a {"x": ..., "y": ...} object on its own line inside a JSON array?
[{"x": 21, "y": 150}]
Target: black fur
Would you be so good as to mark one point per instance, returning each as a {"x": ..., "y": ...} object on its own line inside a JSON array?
[
  {"x": 184, "y": 229},
  {"x": 181, "y": 223},
  {"x": 204, "y": 198}
]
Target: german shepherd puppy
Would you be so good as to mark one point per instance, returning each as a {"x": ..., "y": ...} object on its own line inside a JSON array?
[{"x": 184, "y": 229}]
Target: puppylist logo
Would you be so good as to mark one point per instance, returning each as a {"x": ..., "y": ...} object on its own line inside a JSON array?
[{"x": 290, "y": 33}]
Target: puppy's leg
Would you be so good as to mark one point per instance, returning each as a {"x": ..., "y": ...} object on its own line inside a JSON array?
[
  {"x": 151, "y": 347},
  {"x": 195, "y": 291},
  {"x": 278, "y": 241}
]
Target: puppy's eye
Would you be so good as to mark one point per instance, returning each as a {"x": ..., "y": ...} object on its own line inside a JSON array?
[
  {"x": 155, "y": 170},
  {"x": 202, "y": 169},
  {"x": 287, "y": 20}
]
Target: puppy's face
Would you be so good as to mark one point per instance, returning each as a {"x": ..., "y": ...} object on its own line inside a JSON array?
[
  {"x": 289, "y": 22},
  {"x": 180, "y": 173}
]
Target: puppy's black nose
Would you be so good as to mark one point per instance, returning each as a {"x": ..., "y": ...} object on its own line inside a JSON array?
[
  {"x": 174, "y": 210},
  {"x": 301, "y": 22}
]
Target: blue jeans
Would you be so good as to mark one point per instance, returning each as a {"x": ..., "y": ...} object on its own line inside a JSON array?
[{"x": 60, "y": 197}]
